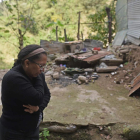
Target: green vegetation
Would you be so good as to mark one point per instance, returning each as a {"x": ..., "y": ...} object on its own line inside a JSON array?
[
  {"x": 44, "y": 134},
  {"x": 44, "y": 17},
  {"x": 100, "y": 26}
]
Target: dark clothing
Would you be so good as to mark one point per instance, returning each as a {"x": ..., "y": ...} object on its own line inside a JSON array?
[
  {"x": 18, "y": 90},
  {"x": 8, "y": 134}
]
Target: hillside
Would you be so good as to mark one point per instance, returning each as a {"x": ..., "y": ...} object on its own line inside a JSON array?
[{"x": 44, "y": 13}]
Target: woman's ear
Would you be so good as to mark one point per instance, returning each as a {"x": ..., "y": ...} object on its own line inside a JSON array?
[{"x": 26, "y": 63}]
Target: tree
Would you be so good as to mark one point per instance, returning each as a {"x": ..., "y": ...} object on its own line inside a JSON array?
[
  {"x": 100, "y": 23},
  {"x": 19, "y": 18}
]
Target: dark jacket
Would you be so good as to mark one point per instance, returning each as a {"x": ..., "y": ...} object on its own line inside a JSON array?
[{"x": 19, "y": 90}]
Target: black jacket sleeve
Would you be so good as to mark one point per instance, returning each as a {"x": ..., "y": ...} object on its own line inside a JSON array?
[
  {"x": 46, "y": 97},
  {"x": 24, "y": 91}
]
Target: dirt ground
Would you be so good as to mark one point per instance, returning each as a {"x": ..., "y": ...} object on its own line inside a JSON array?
[
  {"x": 92, "y": 106},
  {"x": 100, "y": 110}
]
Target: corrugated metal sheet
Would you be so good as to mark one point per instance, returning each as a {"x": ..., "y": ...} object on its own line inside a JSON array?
[
  {"x": 135, "y": 84},
  {"x": 119, "y": 38},
  {"x": 134, "y": 19},
  {"x": 134, "y": 40},
  {"x": 121, "y": 15},
  {"x": 136, "y": 87}
]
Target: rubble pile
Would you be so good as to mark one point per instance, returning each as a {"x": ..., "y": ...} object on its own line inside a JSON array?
[
  {"x": 82, "y": 64},
  {"x": 131, "y": 67}
]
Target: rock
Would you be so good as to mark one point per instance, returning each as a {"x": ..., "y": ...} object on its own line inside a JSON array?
[
  {"x": 132, "y": 132},
  {"x": 86, "y": 81},
  {"x": 93, "y": 43},
  {"x": 82, "y": 78},
  {"x": 51, "y": 56},
  {"x": 48, "y": 78},
  {"x": 79, "y": 82},
  {"x": 75, "y": 76},
  {"x": 124, "y": 71},
  {"x": 126, "y": 77},
  {"x": 121, "y": 81},
  {"x": 49, "y": 73},
  {"x": 55, "y": 66},
  {"x": 56, "y": 75}
]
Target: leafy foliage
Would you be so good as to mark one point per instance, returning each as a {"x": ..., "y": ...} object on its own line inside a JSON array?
[
  {"x": 44, "y": 134},
  {"x": 100, "y": 24},
  {"x": 43, "y": 16}
]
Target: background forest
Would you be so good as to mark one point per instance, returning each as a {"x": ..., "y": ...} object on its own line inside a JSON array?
[{"x": 33, "y": 20}]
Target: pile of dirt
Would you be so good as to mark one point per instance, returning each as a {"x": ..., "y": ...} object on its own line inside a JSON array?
[{"x": 130, "y": 69}]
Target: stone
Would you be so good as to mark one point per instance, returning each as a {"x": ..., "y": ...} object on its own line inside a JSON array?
[
  {"x": 49, "y": 73},
  {"x": 132, "y": 132},
  {"x": 51, "y": 56},
  {"x": 82, "y": 78},
  {"x": 56, "y": 75},
  {"x": 92, "y": 43},
  {"x": 126, "y": 77},
  {"x": 79, "y": 82}
]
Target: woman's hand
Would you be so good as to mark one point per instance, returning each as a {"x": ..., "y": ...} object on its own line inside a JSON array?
[{"x": 31, "y": 109}]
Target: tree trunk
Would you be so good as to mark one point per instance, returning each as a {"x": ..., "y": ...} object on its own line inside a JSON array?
[
  {"x": 65, "y": 34},
  {"x": 20, "y": 39},
  {"x": 56, "y": 33},
  {"x": 82, "y": 35},
  {"x": 109, "y": 25},
  {"x": 78, "y": 35}
]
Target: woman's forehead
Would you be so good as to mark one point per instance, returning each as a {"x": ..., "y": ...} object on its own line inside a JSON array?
[{"x": 43, "y": 57}]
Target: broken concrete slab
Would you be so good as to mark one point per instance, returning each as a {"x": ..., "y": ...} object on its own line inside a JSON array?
[
  {"x": 73, "y": 46},
  {"x": 90, "y": 43},
  {"x": 112, "y": 62},
  {"x": 107, "y": 69},
  {"x": 52, "y": 46}
]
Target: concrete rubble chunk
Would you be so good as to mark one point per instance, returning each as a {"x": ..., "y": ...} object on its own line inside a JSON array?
[
  {"x": 49, "y": 73},
  {"x": 56, "y": 75},
  {"x": 82, "y": 78},
  {"x": 108, "y": 69}
]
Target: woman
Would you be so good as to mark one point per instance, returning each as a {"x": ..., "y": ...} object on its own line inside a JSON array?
[{"x": 24, "y": 95}]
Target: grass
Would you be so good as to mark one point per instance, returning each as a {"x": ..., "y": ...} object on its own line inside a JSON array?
[{"x": 5, "y": 65}]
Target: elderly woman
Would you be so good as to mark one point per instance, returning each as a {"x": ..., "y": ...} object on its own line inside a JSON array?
[{"x": 24, "y": 95}]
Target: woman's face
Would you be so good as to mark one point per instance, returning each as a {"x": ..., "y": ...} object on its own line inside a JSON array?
[{"x": 34, "y": 68}]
